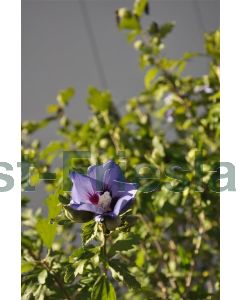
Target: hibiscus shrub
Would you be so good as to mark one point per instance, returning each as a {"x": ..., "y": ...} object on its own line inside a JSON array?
[{"x": 98, "y": 240}]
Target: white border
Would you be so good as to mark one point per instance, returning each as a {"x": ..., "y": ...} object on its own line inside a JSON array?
[
  {"x": 230, "y": 127},
  {"x": 10, "y": 149}
]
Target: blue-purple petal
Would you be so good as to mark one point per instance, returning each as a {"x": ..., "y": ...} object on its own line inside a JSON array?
[
  {"x": 122, "y": 205},
  {"x": 87, "y": 207},
  {"x": 83, "y": 187},
  {"x": 124, "y": 193},
  {"x": 119, "y": 189},
  {"x": 106, "y": 177},
  {"x": 105, "y": 174}
]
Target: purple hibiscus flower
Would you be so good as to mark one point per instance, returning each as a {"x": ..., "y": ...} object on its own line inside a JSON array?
[{"x": 103, "y": 191}]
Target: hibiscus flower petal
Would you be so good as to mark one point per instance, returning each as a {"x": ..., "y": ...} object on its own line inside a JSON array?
[
  {"x": 83, "y": 187},
  {"x": 123, "y": 193},
  {"x": 106, "y": 173},
  {"x": 87, "y": 207},
  {"x": 122, "y": 204},
  {"x": 119, "y": 189}
]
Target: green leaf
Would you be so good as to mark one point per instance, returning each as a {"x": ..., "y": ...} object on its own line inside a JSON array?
[
  {"x": 131, "y": 220},
  {"x": 131, "y": 23},
  {"x": 83, "y": 253},
  {"x": 129, "y": 118},
  {"x": 77, "y": 216},
  {"x": 166, "y": 28},
  {"x": 160, "y": 31},
  {"x": 139, "y": 7},
  {"x": 212, "y": 44},
  {"x": 46, "y": 231},
  {"x": 64, "y": 96},
  {"x": 140, "y": 258},
  {"x": 64, "y": 200},
  {"x": 153, "y": 28},
  {"x": 123, "y": 245},
  {"x": 79, "y": 268},
  {"x": 26, "y": 266},
  {"x": 42, "y": 276},
  {"x": 120, "y": 272},
  {"x": 111, "y": 292},
  {"x": 53, "y": 206},
  {"x": 149, "y": 77},
  {"x": 103, "y": 290},
  {"x": 181, "y": 66},
  {"x": 69, "y": 274},
  {"x": 52, "y": 151},
  {"x": 84, "y": 293},
  {"x": 89, "y": 231},
  {"x": 127, "y": 20},
  {"x": 99, "y": 289},
  {"x": 99, "y": 101},
  {"x": 132, "y": 35},
  {"x": 52, "y": 108}
]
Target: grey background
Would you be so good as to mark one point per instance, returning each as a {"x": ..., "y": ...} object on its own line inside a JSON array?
[{"x": 77, "y": 43}]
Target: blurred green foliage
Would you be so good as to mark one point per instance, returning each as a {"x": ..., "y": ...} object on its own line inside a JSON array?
[{"x": 168, "y": 247}]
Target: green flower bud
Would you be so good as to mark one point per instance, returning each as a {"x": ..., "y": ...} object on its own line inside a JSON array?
[
  {"x": 25, "y": 124},
  {"x": 156, "y": 40},
  {"x": 138, "y": 45},
  {"x": 123, "y": 12},
  {"x": 112, "y": 223},
  {"x": 147, "y": 59},
  {"x": 143, "y": 119},
  {"x": 144, "y": 171},
  {"x": 64, "y": 121},
  {"x": 132, "y": 104},
  {"x": 103, "y": 143},
  {"x": 157, "y": 155},
  {"x": 30, "y": 153},
  {"x": 36, "y": 144}
]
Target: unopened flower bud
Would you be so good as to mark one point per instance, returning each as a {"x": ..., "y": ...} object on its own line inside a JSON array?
[
  {"x": 36, "y": 144},
  {"x": 64, "y": 121},
  {"x": 112, "y": 223},
  {"x": 103, "y": 143},
  {"x": 138, "y": 45},
  {"x": 123, "y": 12}
]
